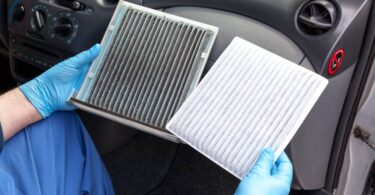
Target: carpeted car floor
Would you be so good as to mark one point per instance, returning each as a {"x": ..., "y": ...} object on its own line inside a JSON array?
[
  {"x": 192, "y": 173},
  {"x": 149, "y": 165},
  {"x": 140, "y": 165}
]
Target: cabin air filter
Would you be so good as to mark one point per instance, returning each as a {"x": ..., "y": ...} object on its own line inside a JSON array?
[
  {"x": 149, "y": 62},
  {"x": 250, "y": 99}
]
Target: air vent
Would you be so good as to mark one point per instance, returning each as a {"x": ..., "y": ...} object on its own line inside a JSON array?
[
  {"x": 150, "y": 61},
  {"x": 317, "y": 17}
]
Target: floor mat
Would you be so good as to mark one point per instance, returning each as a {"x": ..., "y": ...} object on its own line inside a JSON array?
[
  {"x": 140, "y": 165},
  {"x": 149, "y": 165},
  {"x": 192, "y": 173}
]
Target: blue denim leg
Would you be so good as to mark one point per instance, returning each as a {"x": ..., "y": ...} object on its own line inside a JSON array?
[{"x": 53, "y": 156}]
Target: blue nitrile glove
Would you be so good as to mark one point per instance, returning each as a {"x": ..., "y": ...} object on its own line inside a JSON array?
[
  {"x": 50, "y": 91},
  {"x": 266, "y": 177}
]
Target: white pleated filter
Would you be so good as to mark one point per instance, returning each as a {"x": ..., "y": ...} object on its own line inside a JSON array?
[{"x": 250, "y": 99}]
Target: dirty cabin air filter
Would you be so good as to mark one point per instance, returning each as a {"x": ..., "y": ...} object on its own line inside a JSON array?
[{"x": 150, "y": 61}]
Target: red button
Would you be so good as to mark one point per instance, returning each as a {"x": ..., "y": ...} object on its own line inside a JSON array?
[{"x": 336, "y": 61}]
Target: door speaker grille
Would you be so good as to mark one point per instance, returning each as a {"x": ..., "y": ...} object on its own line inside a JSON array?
[{"x": 149, "y": 63}]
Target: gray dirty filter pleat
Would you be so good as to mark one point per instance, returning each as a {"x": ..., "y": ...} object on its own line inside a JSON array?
[
  {"x": 144, "y": 88},
  {"x": 166, "y": 31},
  {"x": 166, "y": 76},
  {"x": 250, "y": 99},
  {"x": 125, "y": 57},
  {"x": 182, "y": 78},
  {"x": 112, "y": 60},
  {"x": 146, "y": 75},
  {"x": 149, "y": 62},
  {"x": 140, "y": 38},
  {"x": 136, "y": 78},
  {"x": 126, "y": 75},
  {"x": 112, "y": 50},
  {"x": 164, "y": 102},
  {"x": 169, "y": 99},
  {"x": 132, "y": 103},
  {"x": 162, "y": 65}
]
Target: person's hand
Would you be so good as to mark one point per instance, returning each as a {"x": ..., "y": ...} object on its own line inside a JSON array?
[
  {"x": 50, "y": 91},
  {"x": 266, "y": 177}
]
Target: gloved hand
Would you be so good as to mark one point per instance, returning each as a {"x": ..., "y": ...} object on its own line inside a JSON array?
[
  {"x": 267, "y": 178},
  {"x": 50, "y": 91}
]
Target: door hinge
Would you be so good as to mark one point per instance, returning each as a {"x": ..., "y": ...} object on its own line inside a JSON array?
[{"x": 364, "y": 136}]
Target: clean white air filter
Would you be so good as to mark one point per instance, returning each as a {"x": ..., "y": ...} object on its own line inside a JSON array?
[{"x": 249, "y": 100}]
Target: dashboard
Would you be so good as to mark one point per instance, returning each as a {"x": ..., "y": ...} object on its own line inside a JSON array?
[{"x": 42, "y": 33}]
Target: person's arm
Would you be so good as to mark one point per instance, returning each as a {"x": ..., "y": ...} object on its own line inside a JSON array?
[
  {"x": 16, "y": 112},
  {"x": 44, "y": 94}
]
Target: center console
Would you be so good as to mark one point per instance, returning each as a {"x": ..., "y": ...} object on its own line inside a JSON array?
[{"x": 44, "y": 32}]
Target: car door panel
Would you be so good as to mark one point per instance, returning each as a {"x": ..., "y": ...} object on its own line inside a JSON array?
[{"x": 359, "y": 156}]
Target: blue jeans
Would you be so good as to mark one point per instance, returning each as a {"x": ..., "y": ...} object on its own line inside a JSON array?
[{"x": 53, "y": 156}]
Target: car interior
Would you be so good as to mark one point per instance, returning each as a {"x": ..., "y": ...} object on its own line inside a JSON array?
[{"x": 333, "y": 38}]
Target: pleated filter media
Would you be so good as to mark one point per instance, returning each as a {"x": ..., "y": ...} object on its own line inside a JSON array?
[
  {"x": 150, "y": 61},
  {"x": 250, "y": 99}
]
